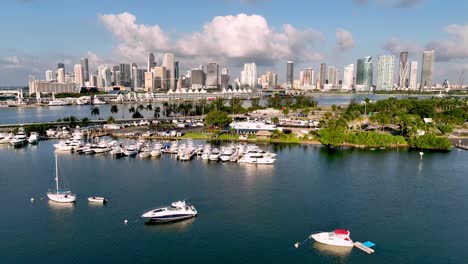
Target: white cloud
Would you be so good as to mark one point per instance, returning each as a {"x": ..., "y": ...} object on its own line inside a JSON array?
[
  {"x": 452, "y": 49},
  {"x": 226, "y": 39},
  {"x": 344, "y": 39},
  {"x": 395, "y": 46}
]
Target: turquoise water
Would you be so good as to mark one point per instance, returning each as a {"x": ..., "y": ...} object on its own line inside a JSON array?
[{"x": 414, "y": 210}]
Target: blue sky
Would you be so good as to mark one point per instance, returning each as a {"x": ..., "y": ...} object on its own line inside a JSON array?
[{"x": 39, "y": 33}]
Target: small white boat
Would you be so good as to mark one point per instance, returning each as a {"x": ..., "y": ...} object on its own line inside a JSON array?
[
  {"x": 144, "y": 154},
  {"x": 60, "y": 195},
  {"x": 57, "y": 103},
  {"x": 339, "y": 237},
  {"x": 214, "y": 156},
  {"x": 96, "y": 199},
  {"x": 7, "y": 138},
  {"x": 20, "y": 138},
  {"x": 176, "y": 212},
  {"x": 33, "y": 138}
]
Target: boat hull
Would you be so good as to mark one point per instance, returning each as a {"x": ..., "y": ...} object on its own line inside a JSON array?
[
  {"x": 324, "y": 238},
  {"x": 61, "y": 198},
  {"x": 169, "y": 219}
]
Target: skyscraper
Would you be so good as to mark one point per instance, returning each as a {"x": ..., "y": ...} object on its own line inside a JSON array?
[
  {"x": 149, "y": 81},
  {"x": 168, "y": 62},
  {"x": 197, "y": 78},
  {"x": 60, "y": 75},
  {"x": 85, "y": 67},
  {"x": 249, "y": 75},
  {"x": 348, "y": 76},
  {"x": 323, "y": 75},
  {"x": 413, "y": 75},
  {"x": 79, "y": 78},
  {"x": 427, "y": 71},
  {"x": 160, "y": 77},
  {"x": 212, "y": 73},
  {"x": 308, "y": 78},
  {"x": 364, "y": 74},
  {"x": 332, "y": 75},
  {"x": 290, "y": 73},
  {"x": 224, "y": 78},
  {"x": 403, "y": 72},
  {"x": 151, "y": 62},
  {"x": 385, "y": 69},
  {"x": 125, "y": 75},
  {"x": 61, "y": 65},
  {"x": 49, "y": 75}
]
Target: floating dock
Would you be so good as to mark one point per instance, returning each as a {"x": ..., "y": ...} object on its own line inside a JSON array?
[{"x": 366, "y": 246}]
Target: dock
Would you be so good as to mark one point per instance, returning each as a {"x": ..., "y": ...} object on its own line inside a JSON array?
[
  {"x": 460, "y": 146},
  {"x": 366, "y": 247}
]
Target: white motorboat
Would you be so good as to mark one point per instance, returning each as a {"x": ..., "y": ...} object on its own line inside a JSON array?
[
  {"x": 339, "y": 237},
  {"x": 20, "y": 138},
  {"x": 68, "y": 145},
  {"x": 256, "y": 158},
  {"x": 144, "y": 154},
  {"x": 117, "y": 152},
  {"x": 7, "y": 138},
  {"x": 130, "y": 151},
  {"x": 57, "y": 103},
  {"x": 97, "y": 101},
  {"x": 96, "y": 199},
  {"x": 33, "y": 138},
  {"x": 176, "y": 212},
  {"x": 214, "y": 156},
  {"x": 60, "y": 195}
]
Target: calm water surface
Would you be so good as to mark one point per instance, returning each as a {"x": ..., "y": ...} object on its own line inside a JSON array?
[{"x": 414, "y": 210}]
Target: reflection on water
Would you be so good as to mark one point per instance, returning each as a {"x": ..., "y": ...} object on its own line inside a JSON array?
[
  {"x": 340, "y": 254},
  {"x": 179, "y": 227},
  {"x": 62, "y": 207},
  {"x": 251, "y": 170}
]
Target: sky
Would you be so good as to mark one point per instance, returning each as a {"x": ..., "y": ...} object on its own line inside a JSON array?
[{"x": 36, "y": 34}]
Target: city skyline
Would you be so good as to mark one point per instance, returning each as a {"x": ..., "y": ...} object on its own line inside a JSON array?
[{"x": 207, "y": 36}]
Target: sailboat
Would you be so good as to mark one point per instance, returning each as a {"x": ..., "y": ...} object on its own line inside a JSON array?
[{"x": 60, "y": 195}]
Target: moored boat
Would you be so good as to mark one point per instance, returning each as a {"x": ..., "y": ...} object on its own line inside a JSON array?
[
  {"x": 176, "y": 212},
  {"x": 338, "y": 237}
]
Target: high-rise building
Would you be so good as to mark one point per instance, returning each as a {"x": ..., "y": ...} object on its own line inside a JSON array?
[
  {"x": 332, "y": 75},
  {"x": 149, "y": 81},
  {"x": 138, "y": 78},
  {"x": 364, "y": 74},
  {"x": 403, "y": 71},
  {"x": 151, "y": 62},
  {"x": 93, "y": 79},
  {"x": 169, "y": 63},
  {"x": 249, "y": 75},
  {"x": 427, "y": 71},
  {"x": 308, "y": 79},
  {"x": 212, "y": 73},
  {"x": 271, "y": 79},
  {"x": 348, "y": 77},
  {"x": 60, "y": 75},
  {"x": 197, "y": 78},
  {"x": 385, "y": 70},
  {"x": 160, "y": 77},
  {"x": 49, "y": 75},
  {"x": 61, "y": 65},
  {"x": 125, "y": 78},
  {"x": 323, "y": 75},
  {"x": 85, "y": 67},
  {"x": 413, "y": 75},
  {"x": 224, "y": 78},
  {"x": 290, "y": 73},
  {"x": 79, "y": 78}
]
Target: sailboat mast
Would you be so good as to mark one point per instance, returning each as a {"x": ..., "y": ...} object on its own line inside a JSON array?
[{"x": 56, "y": 174}]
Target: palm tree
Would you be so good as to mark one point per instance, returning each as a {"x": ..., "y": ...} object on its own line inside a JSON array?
[
  {"x": 95, "y": 111},
  {"x": 157, "y": 110},
  {"x": 114, "y": 109},
  {"x": 165, "y": 106},
  {"x": 141, "y": 107},
  {"x": 131, "y": 109},
  {"x": 149, "y": 107}
]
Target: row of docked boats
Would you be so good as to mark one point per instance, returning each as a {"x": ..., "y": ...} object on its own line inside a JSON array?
[{"x": 19, "y": 139}]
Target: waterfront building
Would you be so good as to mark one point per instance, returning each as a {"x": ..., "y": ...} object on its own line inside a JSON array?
[
  {"x": 197, "y": 78},
  {"x": 169, "y": 63},
  {"x": 403, "y": 71},
  {"x": 79, "y": 78},
  {"x": 364, "y": 74},
  {"x": 138, "y": 78},
  {"x": 348, "y": 77},
  {"x": 385, "y": 70},
  {"x": 151, "y": 62},
  {"x": 413, "y": 75},
  {"x": 52, "y": 87},
  {"x": 224, "y": 78},
  {"x": 60, "y": 75},
  {"x": 289, "y": 73},
  {"x": 85, "y": 66},
  {"x": 149, "y": 81},
  {"x": 49, "y": 76},
  {"x": 427, "y": 71},
  {"x": 160, "y": 77},
  {"x": 332, "y": 75},
  {"x": 323, "y": 75},
  {"x": 308, "y": 78},
  {"x": 249, "y": 75},
  {"x": 212, "y": 75},
  {"x": 125, "y": 78}
]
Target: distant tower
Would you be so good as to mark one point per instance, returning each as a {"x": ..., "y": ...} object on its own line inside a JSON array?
[
  {"x": 169, "y": 63},
  {"x": 212, "y": 75},
  {"x": 348, "y": 76},
  {"x": 323, "y": 75},
  {"x": 151, "y": 62},
  {"x": 364, "y": 74},
  {"x": 427, "y": 71},
  {"x": 403, "y": 73},
  {"x": 385, "y": 70},
  {"x": 49, "y": 75},
  {"x": 85, "y": 67},
  {"x": 413, "y": 75},
  {"x": 79, "y": 79},
  {"x": 290, "y": 73}
]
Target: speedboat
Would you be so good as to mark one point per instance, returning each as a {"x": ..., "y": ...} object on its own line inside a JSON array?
[
  {"x": 214, "y": 156},
  {"x": 96, "y": 199},
  {"x": 176, "y": 212},
  {"x": 256, "y": 158},
  {"x": 145, "y": 154},
  {"x": 339, "y": 237},
  {"x": 33, "y": 138},
  {"x": 57, "y": 103},
  {"x": 20, "y": 138}
]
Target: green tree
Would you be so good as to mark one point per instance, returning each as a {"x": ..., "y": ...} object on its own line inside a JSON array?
[
  {"x": 137, "y": 114},
  {"x": 218, "y": 104},
  {"x": 114, "y": 109},
  {"x": 275, "y": 120},
  {"x": 131, "y": 110},
  {"x": 149, "y": 107},
  {"x": 85, "y": 122},
  {"x": 217, "y": 118},
  {"x": 157, "y": 111},
  {"x": 110, "y": 120},
  {"x": 141, "y": 107},
  {"x": 95, "y": 111},
  {"x": 286, "y": 112},
  {"x": 332, "y": 136},
  {"x": 255, "y": 103}
]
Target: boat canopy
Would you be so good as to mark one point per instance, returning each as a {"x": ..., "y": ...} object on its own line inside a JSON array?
[{"x": 341, "y": 232}]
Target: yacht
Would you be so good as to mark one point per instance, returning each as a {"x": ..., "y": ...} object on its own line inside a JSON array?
[
  {"x": 33, "y": 138},
  {"x": 130, "y": 151},
  {"x": 214, "y": 156},
  {"x": 7, "y": 138},
  {"x": 226, "y": 154},
  {"x": 60, "y": 195},
  {"x": 116, "y": 152},
  {"x": 97, "y": 101},
  {"x": 256, "y": 158},
  {"x": 57, "y": 103},
  {"x": 144, "y": 154},
  {"x": 339, "y": 237},
  {"x": 20, "y": 138},
  {"x": 176, "y": 212}
]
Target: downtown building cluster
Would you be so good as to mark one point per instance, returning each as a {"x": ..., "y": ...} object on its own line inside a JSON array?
[{"x": 362, "y": 77}]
